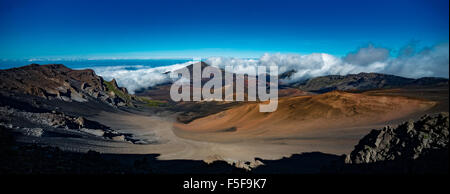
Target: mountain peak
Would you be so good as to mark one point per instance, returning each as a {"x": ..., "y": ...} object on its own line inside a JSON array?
[{"x": 114, "y": 83}]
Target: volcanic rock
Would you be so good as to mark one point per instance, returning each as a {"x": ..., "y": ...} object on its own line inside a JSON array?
[
  {"x": 56, "y": 81},
  {"x": 408, "y": 141}
]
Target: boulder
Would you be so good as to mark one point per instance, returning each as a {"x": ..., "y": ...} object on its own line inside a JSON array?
[{"x": 409, "y": 140}]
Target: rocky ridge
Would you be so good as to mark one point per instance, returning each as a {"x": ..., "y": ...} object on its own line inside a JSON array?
[
  {"x": 362, "y": 81},
  {"x": 40, "y": 124},
  {"x": 56, "y": 81}
]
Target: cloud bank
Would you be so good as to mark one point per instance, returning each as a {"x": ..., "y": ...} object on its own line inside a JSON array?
[
  {"x": 410, "y": 62},
  {"x": 413, "y": 63},
  {"x": 137, "y": 76}
]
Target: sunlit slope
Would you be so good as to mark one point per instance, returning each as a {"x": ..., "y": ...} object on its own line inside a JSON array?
[{"x": 305, "y": 113}]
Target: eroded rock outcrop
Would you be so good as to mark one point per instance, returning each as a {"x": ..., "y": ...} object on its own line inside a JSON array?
[
  {"x": 50, "y": 122},
  {"x": 56, "y": 81},
  {"x": 408, "y": 141}
]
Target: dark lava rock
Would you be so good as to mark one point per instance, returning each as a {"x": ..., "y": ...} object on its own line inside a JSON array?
[
  {"x": 56, "y": 81},
  {"x": 408, "y": 141}
]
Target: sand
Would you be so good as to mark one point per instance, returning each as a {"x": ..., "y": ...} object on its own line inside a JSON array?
[
  {"x": 172, "y": 147},
  {"x": 304, "y": 117},
  {"x": 328, "y": 127}
]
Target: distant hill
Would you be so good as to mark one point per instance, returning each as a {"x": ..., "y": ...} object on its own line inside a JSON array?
[{"x": 363, "y": 81}]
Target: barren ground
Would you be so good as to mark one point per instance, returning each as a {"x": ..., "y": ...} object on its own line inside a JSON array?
[{"x": 219, "y": 137}]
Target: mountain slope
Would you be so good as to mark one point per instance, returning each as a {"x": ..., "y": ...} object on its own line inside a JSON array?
[
  {"x": 364, "y": 81},
  {"x": 306, "y": 115},
  {"x": 56, "y": 81}
]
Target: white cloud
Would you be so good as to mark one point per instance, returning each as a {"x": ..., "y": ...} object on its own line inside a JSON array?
[
  {"x": 432, "y": 61},
  {"x": 429, "y": 62},
  {"x": 367, "y": 55},
  {"x": 306, "y": 66},
  {"x": 138, "y": 76}
]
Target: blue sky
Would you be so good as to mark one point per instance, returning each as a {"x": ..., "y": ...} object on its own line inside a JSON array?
[{"x": 182, "y": 29}]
